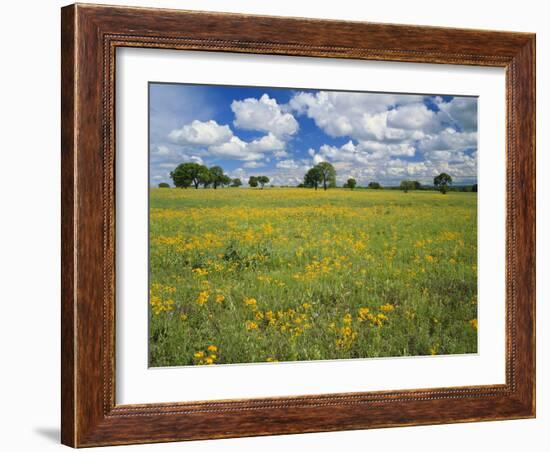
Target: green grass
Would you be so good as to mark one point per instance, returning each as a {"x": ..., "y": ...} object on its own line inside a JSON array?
[{"x": 298, "y": 274}]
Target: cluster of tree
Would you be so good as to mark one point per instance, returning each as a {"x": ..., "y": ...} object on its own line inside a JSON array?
[
  {"x": 321, "y": 174},
  {"x": 441, "y": 183},
  {"x": 187, "y": 174},
  {"x": 254, "y": 181},
  {"x": 190, "y": 174},
  {"x": 463, "y": 188},
  {"x": 407, "y": 185}
]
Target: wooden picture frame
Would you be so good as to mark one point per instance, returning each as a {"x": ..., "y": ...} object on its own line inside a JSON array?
[{"x": 90, "y": 36}]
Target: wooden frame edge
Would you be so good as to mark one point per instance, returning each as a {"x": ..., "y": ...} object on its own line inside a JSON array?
[
  {"x": 90, "y": 35},
  {"x": 68, "y": 211}
]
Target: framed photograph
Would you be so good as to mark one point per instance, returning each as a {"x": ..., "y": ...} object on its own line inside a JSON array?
[{"x": 281, "y": 225}]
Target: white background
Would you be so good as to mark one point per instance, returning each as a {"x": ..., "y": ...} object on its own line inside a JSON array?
[
  {"x": 137, "y": 384},
  {"x": 29, "y": 381}
]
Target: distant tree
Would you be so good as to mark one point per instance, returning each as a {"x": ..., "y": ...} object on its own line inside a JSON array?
[
  {"x": 328, "y": 174},
  {"x": 474, "y": 188},
  {"x": 262, "y": 180},
  {"x": 351, "y": 183},
  {"x": 301, "y": 185},
  {"x": 406, "y": 185},
  {"x": 442, "y": 182},
  {"x": 236, "y": 182},
  {"x": 217, "y": 176},
  {"x": 313, "y": 178},
  {"x": 374, "y": 185},
  {"x": 416, "y": 185},
  {"x": 253, "y": 181},
  {"x": 186, "y": 174},
  {"x": 164, "y": 185}
]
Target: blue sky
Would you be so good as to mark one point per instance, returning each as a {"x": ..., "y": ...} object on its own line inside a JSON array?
[{"x": 282, "y": 132}]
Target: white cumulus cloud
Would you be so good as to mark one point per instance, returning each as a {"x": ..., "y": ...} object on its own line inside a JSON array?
[
  {"x": 267, "y": 143},
  {"x": 263, "y": 114},
  {"x": 218, "y": 140},
  {"x": 416, "y": 117},
  {"x": 357, "y": 115},
  {"x": 235, "y": 148},
  {"x": 254, "y": 164},
  {"x": 287, "y": 164},
  {"x": 201, "y": 133}
]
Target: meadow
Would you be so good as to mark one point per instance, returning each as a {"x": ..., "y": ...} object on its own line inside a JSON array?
[{"x": 286, "y": 274}]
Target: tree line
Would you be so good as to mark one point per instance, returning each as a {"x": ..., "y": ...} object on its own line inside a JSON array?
[
  {"x": 442, "y": 183},
  {"x": 193, "y": 174},
  {"x": 323, "y": 175}
]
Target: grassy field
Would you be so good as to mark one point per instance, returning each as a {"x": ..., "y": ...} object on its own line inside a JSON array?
[{"x": 249, "y": 275}]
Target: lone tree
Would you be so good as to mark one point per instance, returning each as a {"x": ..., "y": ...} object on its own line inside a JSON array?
[
  {"x": 407, "y": 185},
  {"x": 313, "y": 178},
  {"x": 217, "y": 176},
  {"x": 262, "y": 180},
  {"x": 416, "y": 185},
  {"x": 189, "y": 173},
  {"x": 442, "y": 182},
  {"x": 328, "y": 174},
  {"x": 164, "y": 185},
  {"x": 375, "y": 185},
  {"x": 253, "y": 181},
  {"x": 236, "y": 182},
  {"x": 351, "y": 183}
]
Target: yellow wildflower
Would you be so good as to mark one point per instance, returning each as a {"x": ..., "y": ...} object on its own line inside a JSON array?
[
  {"x": 346, "y": 338},
  {"x": 250, "y": 302},
  {"x": 267, "y": 228},
  {"x": 203, "y": 297},
  {"x": 158, "y": 305},
  {"x": 200, "y": 271},
  {"x": 363, "y": 314}
]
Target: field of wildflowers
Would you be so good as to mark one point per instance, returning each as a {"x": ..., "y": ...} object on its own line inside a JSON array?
[{"x": 284, "y": 274}]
